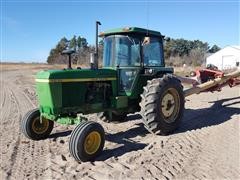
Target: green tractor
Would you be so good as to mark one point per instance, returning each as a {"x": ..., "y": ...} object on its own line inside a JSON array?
[{"x": 133, "y": 78}]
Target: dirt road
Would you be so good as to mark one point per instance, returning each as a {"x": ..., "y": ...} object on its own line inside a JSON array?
[{"x": 206, "y": 146}]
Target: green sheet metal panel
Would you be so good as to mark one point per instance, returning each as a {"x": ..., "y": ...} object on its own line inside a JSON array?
[
  {"x": 63, "y": 91},
  {"x": 120, "y": 102},
  {"x": 49, "y": 96},
  {"x": 78, "y": 74}
]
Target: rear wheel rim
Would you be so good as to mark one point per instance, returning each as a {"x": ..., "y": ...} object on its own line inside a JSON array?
[
  {"x": 170, "y": 105},
  {"x": 92, "y": 142},
  {"x": 40, "y": 127}
]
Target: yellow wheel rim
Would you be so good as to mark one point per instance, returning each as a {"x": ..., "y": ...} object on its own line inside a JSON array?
[
  {"x": 170, "y": 105},
  {"x": 92, "y": 142},
  {"x": 40, "y": 127}
]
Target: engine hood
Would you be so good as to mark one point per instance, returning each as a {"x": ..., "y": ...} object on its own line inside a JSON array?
[{"x": 76, "y": 75}]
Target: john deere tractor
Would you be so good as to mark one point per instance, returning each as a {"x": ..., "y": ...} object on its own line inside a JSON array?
[{"x": 133, "y": 78}]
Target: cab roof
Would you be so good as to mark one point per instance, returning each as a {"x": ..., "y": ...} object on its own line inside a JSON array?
[{"x": 130, "y": 30}]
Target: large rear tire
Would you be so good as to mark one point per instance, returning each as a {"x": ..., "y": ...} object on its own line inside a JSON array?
[
  {"x": 162, "y": 104},
  {"x": 87, "y": 141},
  {"x": 35, "y": 129}
]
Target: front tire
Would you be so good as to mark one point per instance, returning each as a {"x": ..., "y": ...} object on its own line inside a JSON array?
[
  {"x": 162, "y": 104},
  {"x": 87, "y": 141},
  {"x": 33, "y": 128}
]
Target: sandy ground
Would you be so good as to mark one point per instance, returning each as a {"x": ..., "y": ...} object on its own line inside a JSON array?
[{"x": 206, "y": 146}]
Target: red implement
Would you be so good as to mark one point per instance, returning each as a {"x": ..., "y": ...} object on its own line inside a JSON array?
[{"x": 210, "y": 80}]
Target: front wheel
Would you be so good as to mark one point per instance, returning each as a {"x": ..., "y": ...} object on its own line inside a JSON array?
[
  {"x": 35, "y": 128},
  {"x": 87, "y": 141}
]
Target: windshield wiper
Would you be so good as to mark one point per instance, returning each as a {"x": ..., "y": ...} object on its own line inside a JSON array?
[{"x": 131, "y": 40}]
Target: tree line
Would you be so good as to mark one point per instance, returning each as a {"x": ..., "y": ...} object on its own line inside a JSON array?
[
  {"x": 79, "y": 44},
  {"x": 176, "y": 51},
  {"x": 190, "y": 52}
]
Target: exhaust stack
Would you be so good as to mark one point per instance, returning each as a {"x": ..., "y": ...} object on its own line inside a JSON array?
[{"x": 94, "y": 56}]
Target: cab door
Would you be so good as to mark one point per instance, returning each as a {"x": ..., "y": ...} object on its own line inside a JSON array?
[{"x": 128, "y": 60}]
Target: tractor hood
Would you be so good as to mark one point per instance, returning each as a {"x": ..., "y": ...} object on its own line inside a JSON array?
[
  {"x": 65, "y": 91},
  {"x": 76, "y": 75}
]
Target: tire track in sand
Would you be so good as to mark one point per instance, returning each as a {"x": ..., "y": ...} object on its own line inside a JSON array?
[
  {"x": 202, "y": 150},
  {"x": 6, "y": 131},
  {"x": 29, "y": 159}
]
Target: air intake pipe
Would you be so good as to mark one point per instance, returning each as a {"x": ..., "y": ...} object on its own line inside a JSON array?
[{"x": 94, "y": 56}]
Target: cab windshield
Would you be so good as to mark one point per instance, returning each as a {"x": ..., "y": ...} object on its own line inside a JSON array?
[{"x": 121, "y": 51}]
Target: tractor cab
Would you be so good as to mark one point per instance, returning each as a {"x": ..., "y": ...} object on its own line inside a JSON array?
[{"x": 133, "y": 52}]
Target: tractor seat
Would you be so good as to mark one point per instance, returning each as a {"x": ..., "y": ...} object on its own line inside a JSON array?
[{"x": 68, "y": 51}]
